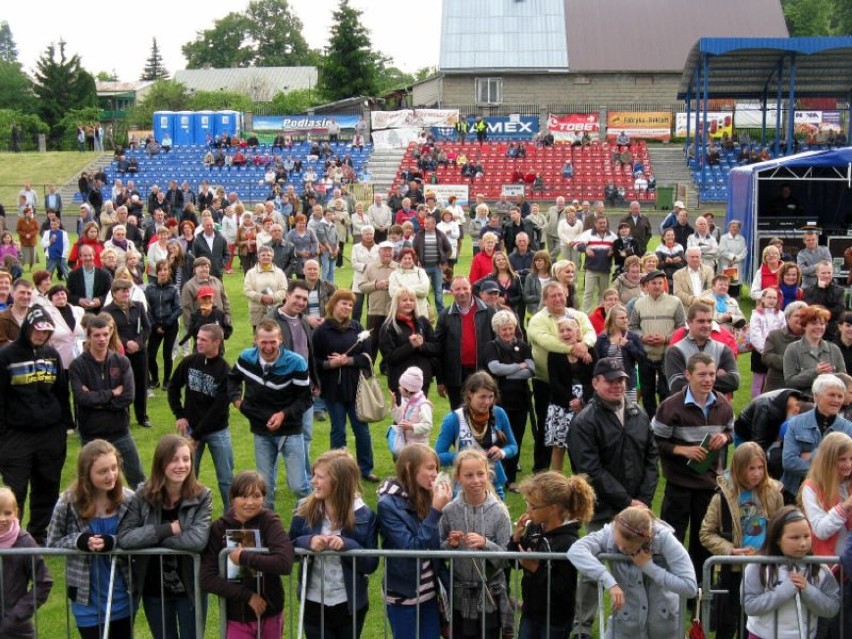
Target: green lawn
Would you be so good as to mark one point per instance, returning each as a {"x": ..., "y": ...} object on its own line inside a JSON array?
[
  {"x": 53, "y": 615},
  {"x": 40, "y": 169}
]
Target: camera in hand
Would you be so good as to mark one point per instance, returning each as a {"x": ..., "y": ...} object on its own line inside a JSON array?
[{"x": 533, "y": 536}]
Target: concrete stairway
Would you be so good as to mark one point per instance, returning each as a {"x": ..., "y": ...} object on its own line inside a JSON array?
[
  {"x": 670, "y": 169},
  {"x": 383, "y": 165},
  {"x": 68, "y": 190}
]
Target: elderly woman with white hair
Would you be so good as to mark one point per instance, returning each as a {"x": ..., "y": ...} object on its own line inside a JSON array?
[
  {"x": 777, "y": 342},
  {"x": 510, "y": 362},
  {"x": 365, "y": 251},
  {"x": 807, "y": 430}
]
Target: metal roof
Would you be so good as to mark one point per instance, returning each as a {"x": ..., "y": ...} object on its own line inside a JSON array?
[
  {"x": 657, "y": 35},
  {"x": 509, "y": 35},
  {"x": 260, "y": 83},
  {"x": 746, "y": 67}
]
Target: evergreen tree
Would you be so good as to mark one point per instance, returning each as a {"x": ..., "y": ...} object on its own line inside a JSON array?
[
  {"x": 351, "y": 67},
  {"x": 8, "y": 50},
  {"x": 154, "y": 69},
  {"x": 61, "y": 85}
]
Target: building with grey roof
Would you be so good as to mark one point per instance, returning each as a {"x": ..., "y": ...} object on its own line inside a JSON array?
[{"x": 527, "y": 52}]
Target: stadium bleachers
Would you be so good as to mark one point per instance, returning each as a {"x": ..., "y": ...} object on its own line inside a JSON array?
[
  {"x": 593, "y": 168},
  {"x": 712, "y": 181},
  {"x": 185, "y": 163}
]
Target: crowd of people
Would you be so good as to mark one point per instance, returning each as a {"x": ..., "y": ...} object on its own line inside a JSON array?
[{"x": 633, "y": 379}]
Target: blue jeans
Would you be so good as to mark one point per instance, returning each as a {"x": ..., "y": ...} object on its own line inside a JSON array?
[
  {"x": 319, "y": 404},
  {"x": 436, "y": 276},
  {"x": 267, "y": 452},
  {"x": 222, "y": 453},
  {"x": 61, "y": 263},
  {"x": 170, "y": 614},
  {"x": 403, "y": 621},
  {"x": 327, "y": 264},
  {"x": 337, "y": 412},
  {"x": 307, "y": 436},
  {"x": 536, "y": 630}
]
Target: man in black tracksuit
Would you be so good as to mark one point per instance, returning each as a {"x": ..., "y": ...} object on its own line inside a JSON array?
[
  {"x": 103, "y": 386},
  {"x": 203, "y": 414},
  {"x": 33, "y": 407}
]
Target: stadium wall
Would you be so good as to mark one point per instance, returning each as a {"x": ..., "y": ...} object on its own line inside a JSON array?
[{"x": 547, "y": 89}]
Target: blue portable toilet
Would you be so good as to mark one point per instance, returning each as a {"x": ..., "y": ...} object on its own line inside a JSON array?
[
  {"x": 227, "y": 122},
  {"x": 204, "y": 124},
  {"x": 164, "y": 122},
  {"x": 184, "y": 124}
]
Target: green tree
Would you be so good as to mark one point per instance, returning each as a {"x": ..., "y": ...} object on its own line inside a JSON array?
[
  {"x": 16, "y": 88},
  {"x": 293, "y": 102},
  {"x": 61, "y": 85},
  {"x": 164, "y": 95},
  {"x": 67, "y": 126},
  {"x": 350, "y": 67},
  {"x": 106, "y": 76},
  {"x": 219, "y": 100},
  {"x": 392, "y": 78},
  {"x": 154, "y": 68},
  {"x": 8, "y": 50},
  {"x": 267, "y": 34},
  {"x": 29, "y": 126}
]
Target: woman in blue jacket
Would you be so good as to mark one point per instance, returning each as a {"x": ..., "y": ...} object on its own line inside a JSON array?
[
  {"x": 410, "y": 506},
  {"x": 479, "y": 423},
  {"x": 334, "y": 517}
]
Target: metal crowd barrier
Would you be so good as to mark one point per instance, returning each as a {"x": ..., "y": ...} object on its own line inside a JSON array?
[
  {"x": 711, "y": 589},
  {"x": 70, "y": 630},
  {"x": 296, "y": 607}
]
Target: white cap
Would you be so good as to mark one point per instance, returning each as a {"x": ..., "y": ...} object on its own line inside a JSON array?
[
  {"x": 386, "y": 244},
  {"x": 679, "y": 204}
]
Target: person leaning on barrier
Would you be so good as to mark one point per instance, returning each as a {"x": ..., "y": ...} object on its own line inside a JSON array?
[
  {"x": 611, "y": 442},
  {"x": 252, "y": 587},
  {"x": 171, "y": 510},
  {"x": 654, "y": 574}
]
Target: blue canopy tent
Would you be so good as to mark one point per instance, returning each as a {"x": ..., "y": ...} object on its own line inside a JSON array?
[{"x": 820, "y": 180}]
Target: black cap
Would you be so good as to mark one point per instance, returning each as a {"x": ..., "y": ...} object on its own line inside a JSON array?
[
  {"x": 652, "y": 276},
  {"x": 610, "y": 368},
  {"x": 489, "y": 286}
]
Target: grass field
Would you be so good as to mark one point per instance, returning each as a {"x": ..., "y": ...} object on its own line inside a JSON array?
[
  {"x": 39, "y": 169},
  {"x": 53, "y": 615}
]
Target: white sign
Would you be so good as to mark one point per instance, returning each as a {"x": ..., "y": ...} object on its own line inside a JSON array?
[
  {"x": 395, "y": 138},
  {"x": 444, "y": 191},
  {"x": 512, "y": 190},
  {"x": 414, "y": 118}
]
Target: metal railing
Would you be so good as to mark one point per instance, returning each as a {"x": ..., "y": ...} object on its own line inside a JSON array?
[
  {"x": 711, "y": 588},
  {"x": 296, "y": 596},
  {"x": 37, "y": 554}
]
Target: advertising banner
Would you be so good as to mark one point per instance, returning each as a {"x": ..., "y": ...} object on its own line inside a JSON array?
[
  {"x": 719, "y": 123},
  {"x": 406, "y": 118},
  {"x": 302, "y": 122},
  {"x": 511, "y": 190},
  {"x": 750, "y": 116},
  {"x": 644, "y": 125},
  {"x": 500, "y": 127},
  {"x": 567, "y": 128},
  {"x": 395, "y": 138},
  {"x": 444, "y": 191},
  {"x": 817, "y": 123}
]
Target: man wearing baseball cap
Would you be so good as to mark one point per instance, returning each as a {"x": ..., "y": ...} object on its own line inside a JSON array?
[
  {"x": 612, "y": 442},
  {"x": 33, "y": 410}
]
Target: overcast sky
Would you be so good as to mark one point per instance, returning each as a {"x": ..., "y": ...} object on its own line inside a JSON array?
[{"x": 93, "y": 30}]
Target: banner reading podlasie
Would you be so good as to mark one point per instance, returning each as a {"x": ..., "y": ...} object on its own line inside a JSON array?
[
  {"x": 570, "y": 127},
  {"x": 414, "y": 118},
  {"x": 644, "y": 125}
]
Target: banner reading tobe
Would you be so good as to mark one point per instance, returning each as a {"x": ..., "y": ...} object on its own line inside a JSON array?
[
  {"x": 645, "y": 125},
  {"x": 570, "y": 127}
]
